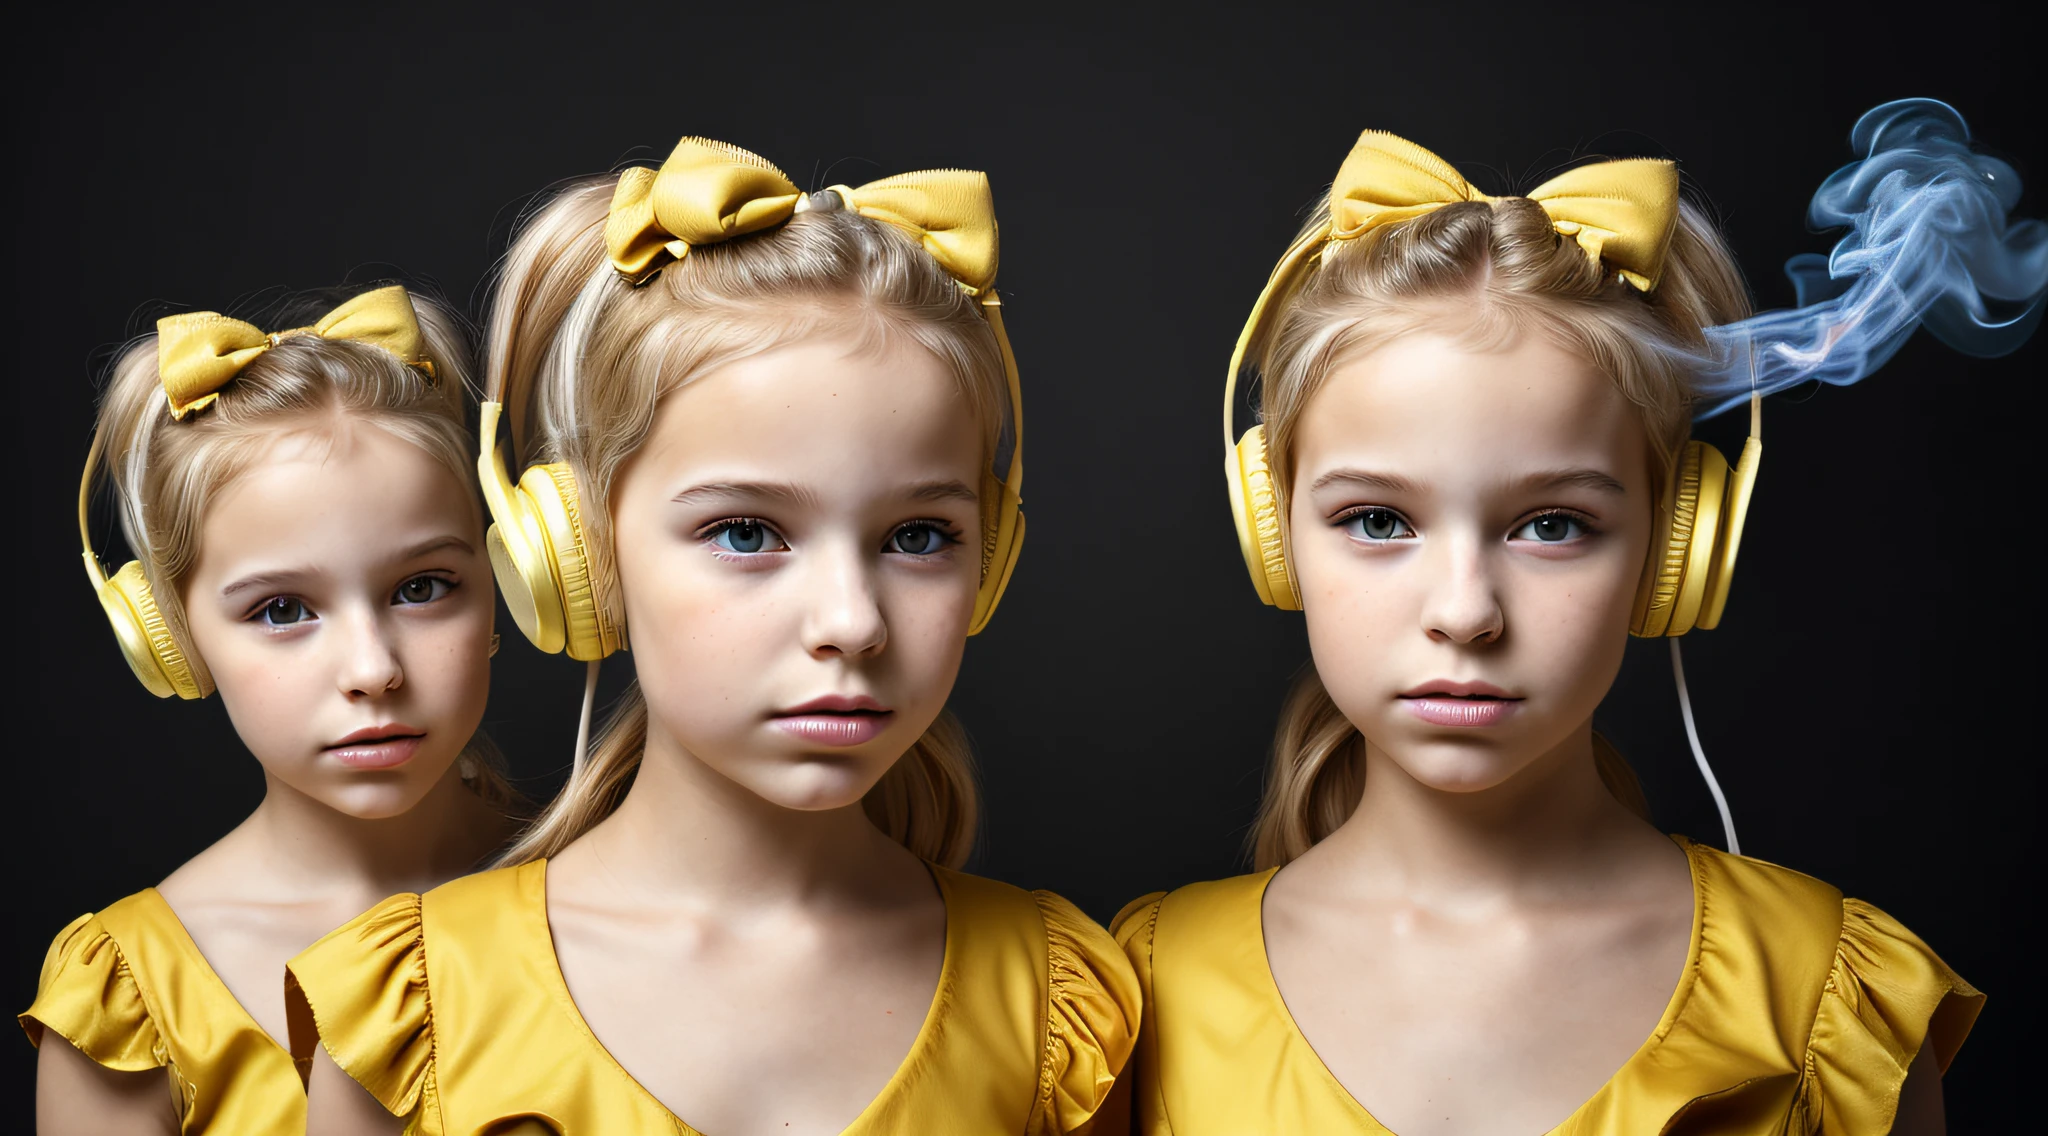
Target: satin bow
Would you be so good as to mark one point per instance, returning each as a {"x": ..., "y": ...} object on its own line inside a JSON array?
[
  {"x": 1622, "y": 212},
  {"x": 709, "y": 192},
  {"x": 198, "y": 352}
]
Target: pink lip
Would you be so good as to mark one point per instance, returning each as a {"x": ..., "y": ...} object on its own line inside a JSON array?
[
  {"x": 378, "y": 747},
  {"x": 844, "y": 729},
  {"x": 1448, "y": 689},
  {"x": 1460, "y": 711},
  {"x": 1441, "y": 702},
  {"x": 836, "y": 704}
]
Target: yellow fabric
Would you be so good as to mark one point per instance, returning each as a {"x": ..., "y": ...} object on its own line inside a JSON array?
[
  {"x": 1622, "y": 212},
  {"x": 1798, "y": 1012},
  {"x": 198, "y": 352},
  {"x": 450, "y": 1008},
  {"x": 128, "y": 988},
  {"x": 709, "y": 192}
]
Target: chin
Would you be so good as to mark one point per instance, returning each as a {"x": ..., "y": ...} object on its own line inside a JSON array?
[
  {"x": 813, "y": 784},
  {"x": 378, "y": 801},
  {"x": 1452, "y": 767}
]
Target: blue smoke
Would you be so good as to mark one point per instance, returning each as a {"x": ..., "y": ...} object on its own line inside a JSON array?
[{"x": 1928, "y": 243}]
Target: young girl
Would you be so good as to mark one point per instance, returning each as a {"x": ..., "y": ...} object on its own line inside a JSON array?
[
  {"x": 1474, "y": 478},
  {"x": 773, "y": 419},
  {"x": 310, "y": 544}
]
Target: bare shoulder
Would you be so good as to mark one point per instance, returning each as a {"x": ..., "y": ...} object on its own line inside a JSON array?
[{"x": 74, "y": 1093}]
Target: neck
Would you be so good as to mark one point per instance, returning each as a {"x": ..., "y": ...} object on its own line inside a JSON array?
[
  {"x": 309, "y": 845},
  {"x": 1553, "y": 824},
  {"x": 687, "y": 833}
]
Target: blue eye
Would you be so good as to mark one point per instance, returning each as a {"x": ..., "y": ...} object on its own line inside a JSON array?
[
  {"x": 1376, "y": 525},
  {"x": 918, "y": 539},
  {"x": 283, "y": 611},
  {"x": 422, "y": 589},
  {"x": 1551, "y": 528},
  {"x": 746, "y": 536}
]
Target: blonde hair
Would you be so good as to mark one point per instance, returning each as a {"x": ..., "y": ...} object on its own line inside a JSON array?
[
  {"x": 583, "y": 358},
  {"x": 166, "y": 473},
  {"x": 1483, "y": 274}
]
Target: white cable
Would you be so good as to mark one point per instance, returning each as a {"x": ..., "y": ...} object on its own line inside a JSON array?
[
  {"x": 590, "y": 699},
  {"x": 1692, "y": 734}
]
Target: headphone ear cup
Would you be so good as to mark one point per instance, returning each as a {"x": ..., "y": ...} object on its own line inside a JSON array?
[
  {"x": 1687, "y": 566},
  {"x": 1002, "y": 542},
  {"x": 587, "y": 627},
  {"x": 1261, "y": 530},
  {"x": 1702, "y": 547},
  {"x": 1728, "y": 533},
  {"x": 1670, "y": 547},
  {"x": 146, "y": 640},
  {"x": 526, "y": 573}
]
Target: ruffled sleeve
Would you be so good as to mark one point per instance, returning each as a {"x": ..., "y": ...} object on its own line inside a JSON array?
[
  {"x": 1091, "y": 1019},
  {"x": 1132, "y": 928},
  {"x": 1887, "y": 995},
  {"x": 361, "y": 993},
  {"x": 87, "y": 996}
]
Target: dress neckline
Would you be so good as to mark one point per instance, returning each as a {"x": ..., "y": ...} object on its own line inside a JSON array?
[
  {"x": 1629, "y": 1071},
  {"x": 179, "y": 938},
  {"x": 920, "y": 1046}
]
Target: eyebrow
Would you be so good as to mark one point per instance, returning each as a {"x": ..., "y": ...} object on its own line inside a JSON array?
[
  {"x": 285, "y": 576},
  {"x": 1583, "y": 477},
  {"x": 941, "y": 490},
  {"x": 947, "y": 490},
  {"x": 773, "y": 490},
  {"x": 268, "y": 580},
  {"x": 432, "y": 545},
  {"x": 1367, "y": 479}
]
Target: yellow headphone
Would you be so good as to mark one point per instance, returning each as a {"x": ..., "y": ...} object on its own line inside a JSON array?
[
  {"x": 146, "y": 641},
  {"x": 1698, "y": 524},
  {"x": 540, "y": 549}
]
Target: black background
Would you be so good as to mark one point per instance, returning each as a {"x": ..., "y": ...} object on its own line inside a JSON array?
[{"x": 1866, "y": 702}]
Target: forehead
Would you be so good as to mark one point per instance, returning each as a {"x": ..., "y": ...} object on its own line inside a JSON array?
[
  {"x": 825, "y": 410},
  {"x": 1428, "y": 401},
  {"x": 337, "y": 491}
]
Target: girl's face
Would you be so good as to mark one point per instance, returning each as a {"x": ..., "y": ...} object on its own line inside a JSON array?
[
  {"x": 1467, "y": 530},
  {"x": 344, "y": 606},
  {"x": 798, "y": 546}
]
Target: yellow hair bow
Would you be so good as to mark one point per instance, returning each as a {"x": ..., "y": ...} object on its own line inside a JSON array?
[
  {"x": 709, "y": 192},
  {"x": 1622, "y": 212},
  {"x": 198, "y": 352}
]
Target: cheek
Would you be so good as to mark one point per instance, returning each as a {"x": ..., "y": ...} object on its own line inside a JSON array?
[
  {"x": 697, "y": 634},
  {"x": 928, "y": 620},
  {"x": 265, "y": 687},
  {"x": 1571, "y": 628},
  {"x": 447, "y": 660},
  {"x": 1355, "y": 608}
]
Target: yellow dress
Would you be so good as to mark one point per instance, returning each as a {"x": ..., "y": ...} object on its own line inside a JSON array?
[
  {"x": 128, "y": 988},
  {"x": 1798, "y": 1012},
  {"x": 450, "y": 1008}
]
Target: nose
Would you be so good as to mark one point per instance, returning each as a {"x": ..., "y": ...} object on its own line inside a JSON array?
[
  {"x": 844, "y": 617},
  {"x": 369, "y": 663},
  {"x": 1463, "y": 602}
]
